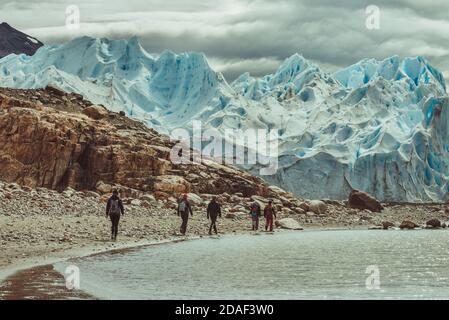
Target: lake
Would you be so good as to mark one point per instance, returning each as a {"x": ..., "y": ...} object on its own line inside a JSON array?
[{"x": 341, "y": 264}]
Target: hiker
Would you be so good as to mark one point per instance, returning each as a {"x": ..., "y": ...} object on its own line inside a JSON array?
[
  {"x": 114, "y": 209},
  {"x": 269, "y": 212},
  {"x": 213, "y": 211},
  {"x": 184, "y": 209},
  {"x": 255, "y": 214}
]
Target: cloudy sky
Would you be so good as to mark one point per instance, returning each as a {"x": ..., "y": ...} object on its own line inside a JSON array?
[{"x": 251, "y": 35}]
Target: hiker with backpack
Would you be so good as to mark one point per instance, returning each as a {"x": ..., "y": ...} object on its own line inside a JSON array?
[
  {"x": 184, "y": 209},
  {"x": 213, "y": 211},
  {"x": 269, "y": 212},
  {"x": 255, "y": 212},
  {"x": 114, "y": 209}
]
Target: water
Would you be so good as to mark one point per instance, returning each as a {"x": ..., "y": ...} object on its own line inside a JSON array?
[{"x": 286, "y": 265}]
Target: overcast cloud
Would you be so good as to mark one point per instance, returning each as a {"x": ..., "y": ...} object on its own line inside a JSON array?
[{"x": 251, "y": 35}]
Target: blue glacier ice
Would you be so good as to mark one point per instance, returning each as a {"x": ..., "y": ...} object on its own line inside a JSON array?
[{"x": 377, "y": 126}]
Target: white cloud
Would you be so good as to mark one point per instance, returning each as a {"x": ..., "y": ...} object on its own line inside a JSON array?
[{"x": 251, "y": 35}]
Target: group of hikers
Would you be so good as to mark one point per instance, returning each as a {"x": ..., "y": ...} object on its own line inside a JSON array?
[{"x": 115, "y": 209}]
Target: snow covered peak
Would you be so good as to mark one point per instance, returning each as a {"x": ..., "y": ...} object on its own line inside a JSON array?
[
  {"x": 123, "y": 76},
  {"x": 416, "y": 69},
  {"x": 289, "y": 69},
  {"x": 188, "y": 61},
  {"x": 289, "y": 80}
]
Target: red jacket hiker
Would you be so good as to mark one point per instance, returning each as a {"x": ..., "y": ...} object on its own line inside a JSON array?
[{"x": 269, "y": 212}]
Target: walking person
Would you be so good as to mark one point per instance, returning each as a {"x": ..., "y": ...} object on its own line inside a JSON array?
[
  {"x": 184, "y": 209},
  {"x": 269, "y": 212},
  {"x": 114, "y": 209},
  {"x": 255, "y": 212},
  {"x": 213, "y": 212}
]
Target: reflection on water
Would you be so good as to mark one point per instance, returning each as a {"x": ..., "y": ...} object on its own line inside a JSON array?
[{"x": 286, "y": 265}]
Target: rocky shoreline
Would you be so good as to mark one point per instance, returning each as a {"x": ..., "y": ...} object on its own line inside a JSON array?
[{"x": 42, "y": 223}]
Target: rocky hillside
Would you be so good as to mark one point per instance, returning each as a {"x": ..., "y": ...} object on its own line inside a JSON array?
[
  {"x": 56, "y": 140},
  {"x": 14, "y": 41}
]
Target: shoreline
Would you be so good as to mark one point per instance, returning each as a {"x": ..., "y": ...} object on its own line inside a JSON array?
[
  {"x": 39, "y": 264},
  {"x": 41, "y": 227},
  {"x": 83, "y": 251},
  {"x": 13, "y": 280},
  {"x": 41, "y": 269},
  {"x": 110, "y": 247},
  {"x": 77, "y": 253}
]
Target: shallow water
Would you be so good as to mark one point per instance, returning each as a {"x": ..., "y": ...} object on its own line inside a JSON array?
[{"x": 285, "y": 265}]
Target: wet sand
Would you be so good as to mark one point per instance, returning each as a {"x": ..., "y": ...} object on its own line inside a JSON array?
[{"x": 39, "y": 283}]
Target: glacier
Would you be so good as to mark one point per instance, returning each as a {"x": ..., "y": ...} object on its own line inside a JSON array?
[{"x": 376, "y": 126}]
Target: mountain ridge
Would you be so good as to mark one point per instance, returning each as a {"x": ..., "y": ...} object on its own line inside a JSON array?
[
  {"x": 13, "y": 41},
  {"x": 349, "y": 130}
]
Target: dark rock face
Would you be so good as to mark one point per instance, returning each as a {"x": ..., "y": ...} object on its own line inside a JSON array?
[
  {"x": 14, "y": 41},
  {"x": 55, "y": 140},
  {"x": 362, "y": 200}
]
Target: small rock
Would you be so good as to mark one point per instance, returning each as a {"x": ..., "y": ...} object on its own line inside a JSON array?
[
  {"x": 147, "y": 204},
  {"x": 362, "y": 200},
  {"x": 95, "y": 112},
  {"x": 136, "y": 202},
  {"x": 92, "y": 194},
  {"x": 387, "y": 224},
  {"x": 194, "y": 199},
  {"x": 433, "y": 224},
  {"x": 103, "y": 187},
  {"x": 148, "y": 197},
  {"x": 298, "y": 210},
  {"x": 288, "y": 223},
  {"x": 69, "y": 192},
  {"x": 408, "y": 225},
  {"x": 286, "y": 210},
  {"x": 304, "y": 206},
  {"x": 318, "y": 207}
]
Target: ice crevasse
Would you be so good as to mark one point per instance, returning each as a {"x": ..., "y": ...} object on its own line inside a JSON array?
[{"x": 378, "y": 126}]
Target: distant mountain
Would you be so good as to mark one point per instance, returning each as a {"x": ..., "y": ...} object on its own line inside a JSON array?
[
  {"x": 14, "y": 41},
  {"x": 377, "y": 126}
]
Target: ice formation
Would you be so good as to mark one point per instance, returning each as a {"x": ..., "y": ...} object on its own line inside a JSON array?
[{"x": 377, "y": 126}]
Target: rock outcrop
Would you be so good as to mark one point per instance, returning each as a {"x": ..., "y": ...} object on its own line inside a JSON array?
[
  {"x": 56, "y": 140},
  {"x": 362, "y": 200}
]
